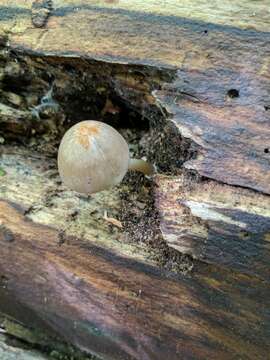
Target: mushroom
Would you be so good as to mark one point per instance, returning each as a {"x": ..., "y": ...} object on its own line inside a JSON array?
[{"x": 93, "y": 156}]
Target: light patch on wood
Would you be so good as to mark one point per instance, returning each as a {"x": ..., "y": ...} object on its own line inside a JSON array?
[
  {"x": 204, "y": 211},
  {"x": 85, "y": 132},
  {"x": 32, "y": 169},
  {"x": 265, "y": 68},
  {"x": 267, "y": 237}
]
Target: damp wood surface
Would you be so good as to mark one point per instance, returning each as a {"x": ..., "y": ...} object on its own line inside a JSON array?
[
  {"x": 107, "y": 300},
  {"x": 67, "y": 270}
]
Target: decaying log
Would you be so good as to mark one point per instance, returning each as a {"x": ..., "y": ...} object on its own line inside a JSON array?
[
  {"x": 108, "y": 303},
  {"x": 101, "y": 294},
  {"x": 198, "y": 75}
]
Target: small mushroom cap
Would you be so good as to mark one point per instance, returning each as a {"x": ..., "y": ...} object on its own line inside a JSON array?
[{"x": 92, "y": 157}]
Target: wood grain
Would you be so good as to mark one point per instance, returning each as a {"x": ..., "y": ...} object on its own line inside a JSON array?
[
  {"x": 219, "y": 99},
  {"x": 216, "y": 62},
  {"x": 225, "y": 112},
  {"x": 172, "y": 32},
  {"x": 215, "y": 223},
  {"x": 105, "y": 295},
  {"x": 67, "y": 271},
  {"x": 115, "y": 308}
]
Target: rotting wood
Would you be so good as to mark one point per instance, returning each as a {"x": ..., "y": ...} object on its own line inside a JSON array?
[
  {"x": 122, "y": 309},
  {"x": 217, "y": 102},
  {"x": 224, "y": 112},
  {"x": 220, "y": 224},
  {"x": 118, "y": 301},
  {"x": 220, "y": 94}
]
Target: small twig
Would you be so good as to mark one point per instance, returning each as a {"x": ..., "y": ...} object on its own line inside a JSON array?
[{"x": 112, "y": 221}]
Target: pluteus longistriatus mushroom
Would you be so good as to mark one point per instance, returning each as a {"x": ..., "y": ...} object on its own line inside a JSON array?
[{"x": 93, "y": 156}]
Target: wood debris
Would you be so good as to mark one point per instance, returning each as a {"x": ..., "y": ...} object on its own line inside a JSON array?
[{"x": 112, "y": 220}]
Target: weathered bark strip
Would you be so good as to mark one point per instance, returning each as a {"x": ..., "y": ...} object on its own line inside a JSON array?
[{"x": 216, "y": 223}]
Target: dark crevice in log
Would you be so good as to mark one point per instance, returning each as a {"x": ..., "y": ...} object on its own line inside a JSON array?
[
  {"x": 52, "y": 93},
  {"x": 143, "y": 226}
]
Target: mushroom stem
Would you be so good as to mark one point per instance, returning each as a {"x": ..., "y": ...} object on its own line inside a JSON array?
[{"x": 140, "y": 165}]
